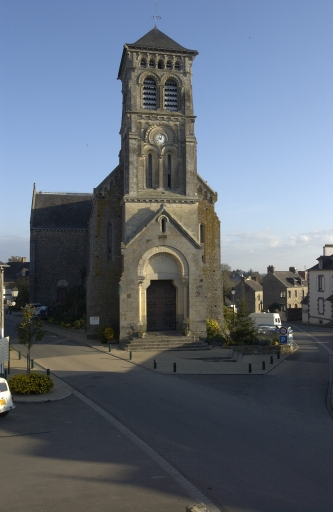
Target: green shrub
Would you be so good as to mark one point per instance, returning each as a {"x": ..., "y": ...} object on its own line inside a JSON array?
[
  {"x": 213, "y": 328},
  {"x": 106, "y": 334},
  {"x": 34, "y": 383}
]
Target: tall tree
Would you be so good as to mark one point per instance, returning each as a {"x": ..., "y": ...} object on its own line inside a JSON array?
[
  {"x": 244, "y": 332},
  {"x": 15, "y": 259}
]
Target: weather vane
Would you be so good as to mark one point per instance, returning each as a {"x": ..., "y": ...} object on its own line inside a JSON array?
[{"x": 155, "y": 17}]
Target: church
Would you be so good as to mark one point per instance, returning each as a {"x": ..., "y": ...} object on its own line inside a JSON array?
[{"x": 146, "y": 242}]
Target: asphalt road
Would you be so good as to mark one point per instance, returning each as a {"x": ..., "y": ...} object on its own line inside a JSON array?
[{"x": 248, "y": 443}]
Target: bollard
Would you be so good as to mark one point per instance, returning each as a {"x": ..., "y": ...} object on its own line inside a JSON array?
[
  {"x": 131, "y": 356},
  {"x": 32, "y": 363},
  {"x": 48, "y": 372},
  {"x": 19, "y": 354},
  {"x": 263, "y": 365},
  {"x": 278, "y": 354},
  {"x": 174, "y": 367},
  {"x": 271, "y": 359},
  {"x": 109, "y": 347},
  {"x": 155, "y": 364},
  {"x": 250, "y": 368}
]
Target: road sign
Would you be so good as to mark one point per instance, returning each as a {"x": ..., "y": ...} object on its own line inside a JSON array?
[
  {"x": 283, "y": 340},
  {"x": 283, "y": 330}
]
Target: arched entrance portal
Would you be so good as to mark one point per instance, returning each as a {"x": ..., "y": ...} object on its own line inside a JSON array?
[{"x": 161, "y": 306}]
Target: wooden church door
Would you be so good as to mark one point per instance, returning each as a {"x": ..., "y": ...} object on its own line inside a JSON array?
[{"x": 161, "y": 306}]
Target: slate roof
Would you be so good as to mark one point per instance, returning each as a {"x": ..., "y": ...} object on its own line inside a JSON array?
[
  {"x": 61, "y": 210},
  {"x": 15, "y": 269},
  {"x": 154, "y": 40},
  {"x": 287, "y": 277},
  {"x": 254, "y": 285},
  {"x": 327, "y": 262}
]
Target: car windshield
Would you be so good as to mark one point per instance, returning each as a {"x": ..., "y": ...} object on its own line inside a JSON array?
[{"x": 3, "y": 387}]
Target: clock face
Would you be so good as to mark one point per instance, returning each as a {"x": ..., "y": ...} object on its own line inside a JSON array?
[{"x": 160, "y": 138}]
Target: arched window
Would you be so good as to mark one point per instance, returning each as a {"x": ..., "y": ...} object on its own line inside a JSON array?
[
  {"x": 169, "y": 64},
  {"x": 143, "y": 63},
  {"x": 149, "y": 183},
  {"x": 163, "y": 224},
  {"x": 151, "y": 63},
  {"x": 149, "y": 94},
  {"x": 160, "y": 64},
  {"x": 177, "y": 66},
  {"x": 202, "y": 233},
  {"x": 171, "y": 96},
  {"x": 169, "y": 171}
]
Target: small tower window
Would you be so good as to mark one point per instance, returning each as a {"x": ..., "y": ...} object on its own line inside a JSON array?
[
  {"x": 150, "y": 171},
  {"x": 169, "y": 171},
  {"x": 169, "y": 64},
  {"x": 149, "y": 94},
  {"x": 202, "y": 233},
  {"x": 143, "y": 63},
  {"x": 110, "y": 241},
  {"x": 151, "y": 63},
  {"x": 177, "y": 66},
  {"x": 171, "y": 96},
  {"x": 163, "y": 224},
  {"x": 160, "y": 64}
]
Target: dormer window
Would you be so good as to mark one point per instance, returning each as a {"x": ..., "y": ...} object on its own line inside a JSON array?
[
  {"x": 171, "y": 96},
  {"x": 320, "y": 264},
  {"x": 149, "y": 94}
]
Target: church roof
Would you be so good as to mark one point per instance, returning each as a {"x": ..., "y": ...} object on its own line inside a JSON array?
[
  {"x": 154, "y": 40},
  {"x": 157, "y": 40},
  {"x": 61, "y": 210}
]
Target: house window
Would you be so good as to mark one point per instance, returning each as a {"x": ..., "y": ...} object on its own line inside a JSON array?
[
  {"x": 295, "y": 293},
  {"x": 282, "y": 293},
  {"x": 321, "y": 306},
  {"x": 149, "y": 183},
  {"x": 282, "y": 307},
  {"x": 320, "y": 264},
  {"x": 289, "y": 294},
  {"x": 149, "y": 94},
  {"x": 169, "y": 171},
  {"x": 171, "y": 96},
  {"x": 321, "y": 283}
]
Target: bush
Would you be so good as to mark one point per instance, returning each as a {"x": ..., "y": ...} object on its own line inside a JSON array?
[
  {"x": 213, "y": 328},
  {"x": 106, "y": 334},
  {"x": 34, "y": 383}
]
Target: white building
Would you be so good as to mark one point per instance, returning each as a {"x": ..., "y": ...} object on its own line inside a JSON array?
[{"x": 320, "y": 277}]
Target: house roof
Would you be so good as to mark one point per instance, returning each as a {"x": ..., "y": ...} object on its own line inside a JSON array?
[
  {"x": 15, "y": 268},
  {"x": 327, "y": 263},
  {"x": 254, "y": 285},
  {"x": 287, "y": 278},
  {"x": 60, "y": 210}
]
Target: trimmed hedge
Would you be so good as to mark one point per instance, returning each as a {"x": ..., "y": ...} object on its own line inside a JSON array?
[{"x": 34, "y": 383}]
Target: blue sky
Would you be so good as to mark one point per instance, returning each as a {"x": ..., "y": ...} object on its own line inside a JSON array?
[{"x": 262, "y": 86}]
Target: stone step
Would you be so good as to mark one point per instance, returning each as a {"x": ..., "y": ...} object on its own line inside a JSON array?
[{"x": 175, "y": 343}]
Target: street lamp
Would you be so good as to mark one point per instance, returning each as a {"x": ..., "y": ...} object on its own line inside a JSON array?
[{"x": 233, "y": 291}]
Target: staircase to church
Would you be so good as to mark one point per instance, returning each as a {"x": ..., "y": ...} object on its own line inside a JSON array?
[{"x": 157, "y": 342}]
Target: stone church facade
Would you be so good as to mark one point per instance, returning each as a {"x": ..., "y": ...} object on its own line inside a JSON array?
[{"x": 152, "y": 239}]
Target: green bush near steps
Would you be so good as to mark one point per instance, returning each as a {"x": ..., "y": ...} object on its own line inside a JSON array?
[{"x": 31, "y": 384}]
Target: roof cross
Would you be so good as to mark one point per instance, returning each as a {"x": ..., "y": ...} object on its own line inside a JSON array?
[{"x": 155, "y": 17}]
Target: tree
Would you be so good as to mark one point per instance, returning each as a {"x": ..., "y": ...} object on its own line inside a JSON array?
[
  {"x": 244, "y": 332},
  {"x": 226, "y": 274},
  {"x": 15, "y": 259},
  {"x": 30, "y": 330}
]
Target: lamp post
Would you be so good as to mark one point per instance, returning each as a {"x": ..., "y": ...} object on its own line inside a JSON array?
[{"x": 233, "y": 291}]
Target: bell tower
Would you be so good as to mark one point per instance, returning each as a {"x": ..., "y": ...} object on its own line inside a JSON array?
[{"x": 158, "y": 145}]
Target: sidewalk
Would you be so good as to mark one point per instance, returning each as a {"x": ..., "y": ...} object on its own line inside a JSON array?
[{"x": 217, "y": 361}]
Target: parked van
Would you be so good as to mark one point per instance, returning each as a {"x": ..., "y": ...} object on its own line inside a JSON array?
[{"x": 266, "y": 319}]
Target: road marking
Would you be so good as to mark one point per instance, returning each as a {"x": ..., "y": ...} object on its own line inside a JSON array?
[
  {"x": 322, "y": 343},
  {"x": 189, "y": 488}
]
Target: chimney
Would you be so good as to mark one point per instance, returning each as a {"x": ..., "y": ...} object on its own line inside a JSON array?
[
  {"x": 243, "y": 279},
  {"x": 24, "y": 259},
  {"x": 271, "y": 269},
  {"x": 293, "y": 270},
  {"x": 328, "y": 250}
]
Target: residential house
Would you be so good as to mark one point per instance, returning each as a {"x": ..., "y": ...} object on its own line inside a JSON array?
[
  {"x": 287, "y": 289},
  {"x": 252, "y": 291},
  {"x": 321, "y": 288}
]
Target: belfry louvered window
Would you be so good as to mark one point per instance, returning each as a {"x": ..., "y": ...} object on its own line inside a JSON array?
[
  {"x": 149, "y": 94},
  {"x": 171, "y": 96}
]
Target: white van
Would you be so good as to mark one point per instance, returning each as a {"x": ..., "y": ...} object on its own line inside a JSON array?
[{"x": 266, "y": 319}]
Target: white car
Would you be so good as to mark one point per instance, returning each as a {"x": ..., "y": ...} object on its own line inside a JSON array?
[{"x": 6, "y": 401}]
